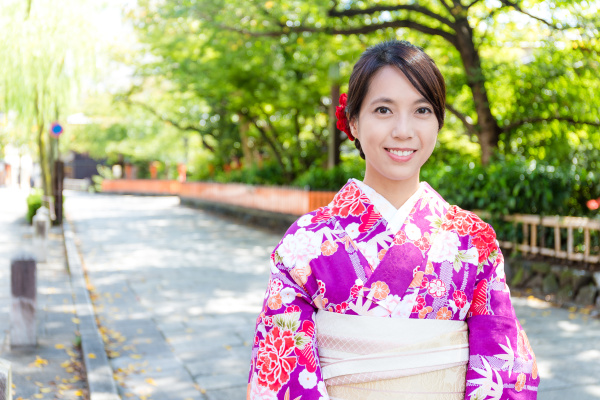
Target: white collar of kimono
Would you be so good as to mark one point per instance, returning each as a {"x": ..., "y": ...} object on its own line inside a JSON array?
[{"x": 394, "y": 217}]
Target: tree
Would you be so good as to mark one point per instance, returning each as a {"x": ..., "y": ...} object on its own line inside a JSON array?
[
  {"x": 44, "y": 54},
  {"x": 466, "y": 26}
]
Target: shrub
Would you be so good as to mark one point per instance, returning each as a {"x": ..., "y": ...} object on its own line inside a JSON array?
[{"x": 34, "y": 202}]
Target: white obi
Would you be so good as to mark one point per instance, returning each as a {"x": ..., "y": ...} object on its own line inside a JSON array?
[{"x": 366, "y": 358}]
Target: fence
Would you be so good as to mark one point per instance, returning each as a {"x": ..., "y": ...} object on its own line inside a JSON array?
[
  {"x": 554, "y": 245},
  {"x": 285, "y": 200}
]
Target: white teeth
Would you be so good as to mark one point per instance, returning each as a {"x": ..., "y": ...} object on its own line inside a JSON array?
[{"x": 401, "y": 153}]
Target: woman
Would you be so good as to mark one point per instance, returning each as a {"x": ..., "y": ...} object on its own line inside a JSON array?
[{"x": 389, "y": 292}]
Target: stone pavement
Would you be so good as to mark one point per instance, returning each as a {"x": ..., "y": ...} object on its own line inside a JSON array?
[
  {"x": 177, "y": 291},
  {"x": 52, "y": 369}
]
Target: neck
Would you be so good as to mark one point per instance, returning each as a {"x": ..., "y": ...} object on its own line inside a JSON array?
[{"x": 397, "y": 192}]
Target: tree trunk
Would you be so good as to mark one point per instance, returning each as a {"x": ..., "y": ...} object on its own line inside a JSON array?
[
  {"x": 334, "y": 133},
  {"x": 244, "y": 126},
  {"x": 488, "y": 131}
]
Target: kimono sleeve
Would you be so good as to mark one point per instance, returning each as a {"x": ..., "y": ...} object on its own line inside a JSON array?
[
  {"x": 285, "y": 363},
  {"x": 502, "y": 364}
]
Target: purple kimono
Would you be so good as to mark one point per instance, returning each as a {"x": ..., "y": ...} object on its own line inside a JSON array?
[{"x": 361, "y": 256}]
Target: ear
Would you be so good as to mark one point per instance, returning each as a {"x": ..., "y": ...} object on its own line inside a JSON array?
[{"x": 354, "y": 127}]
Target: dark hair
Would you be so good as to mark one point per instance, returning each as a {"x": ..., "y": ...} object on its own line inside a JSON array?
[{"x": 418, "y": 67}]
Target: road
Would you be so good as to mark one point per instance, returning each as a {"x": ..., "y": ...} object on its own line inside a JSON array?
[{"x": 177, "y": 291}]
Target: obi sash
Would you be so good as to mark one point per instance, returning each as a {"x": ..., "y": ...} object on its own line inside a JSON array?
[{"x": 365, "y": 357}]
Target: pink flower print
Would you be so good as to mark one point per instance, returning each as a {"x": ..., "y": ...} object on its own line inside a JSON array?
[
  {"x": 321, "y": 285},
  {"x": 520, "y": 382},
  {"x": 349, "y": 202},
  {"x": 400, "y": 238},
  {"x": 424, "y": 282},
  {"x": 436, "y": 288},
  {"x": 355, "y": 290},
  {"x": 380, "y": 290},
  {"x": 341, "y": 308},
  {"x": 460, "y": 298},
  {"x": 292, "y": 309},
  {"x": 419, "y": 304}
]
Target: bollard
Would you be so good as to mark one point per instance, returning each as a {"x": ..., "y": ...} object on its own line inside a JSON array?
[
  {"x": 5, "y": 380},
  {"x": 23, "y": 302},
  {"x": 41, "y": 228}
]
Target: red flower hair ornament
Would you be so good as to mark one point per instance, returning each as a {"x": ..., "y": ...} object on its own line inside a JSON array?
[{"x": 340, "y": 113}]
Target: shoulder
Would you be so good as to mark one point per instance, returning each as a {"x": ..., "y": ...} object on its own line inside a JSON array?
[
  {"x": 465, "y": 222},
  {"x": 303, "y": 239}
]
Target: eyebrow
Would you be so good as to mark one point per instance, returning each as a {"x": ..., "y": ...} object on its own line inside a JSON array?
[{"x": 390, "y": 101}]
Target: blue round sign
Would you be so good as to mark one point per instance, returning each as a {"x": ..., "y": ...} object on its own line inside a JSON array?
[{"x": 56, "y": 129}]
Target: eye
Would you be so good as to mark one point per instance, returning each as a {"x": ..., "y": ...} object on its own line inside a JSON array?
[
  {"x": 424, "y": 110},
  {"x": 382, "y": 110}
]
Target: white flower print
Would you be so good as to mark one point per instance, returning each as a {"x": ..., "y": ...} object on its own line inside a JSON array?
[
  {"x": 445, "y": 247},
  {"x": 352, "y": 230},
  {"x": 390, "y": 302},
  {"x": 299, "y": 248},
  {"x": 275, "y": 286},
  {"x": 412, "y": 232},
  {"x": 369, "y": 250},
  {"x": 258, "y": 392},
  {"x": 308, "y": 380},
  {"x": 287, "y": 295},
  {"x": 322, "y": 391},
  {"x": 472, "y": 256},
  {"x": 436, "y": 288},
  {"x": 305, "y": 220},
  {"x": 274, "y": 269}
]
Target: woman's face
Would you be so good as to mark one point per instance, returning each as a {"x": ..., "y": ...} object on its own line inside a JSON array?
[{"x": 396, "y": 127}]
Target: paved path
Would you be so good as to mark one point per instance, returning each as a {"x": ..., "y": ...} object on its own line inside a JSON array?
[
  {"x": 178, "y": 290},
  {"x": 52, "y": 369}
]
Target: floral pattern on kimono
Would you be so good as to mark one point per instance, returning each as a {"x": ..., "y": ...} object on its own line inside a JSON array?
[{"x": 360, "y": 256}]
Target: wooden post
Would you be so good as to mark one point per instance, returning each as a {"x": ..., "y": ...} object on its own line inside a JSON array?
[
  {"x": 533, "y": 242},
  {"x": 586, "y": 243},
  {"x": 569, "y": 243},
  {"x": 5, "y": 380},
  {"x": 557, "y": 240},
  {"x": 57, "y": 190},
  {"x": 23, "y": 307}
]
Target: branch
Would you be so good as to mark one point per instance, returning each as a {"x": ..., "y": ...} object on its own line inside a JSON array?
[
  {"x": 450, "y": 37},
  {"x": 540, "y": 119},
  {"x": 471, "y": 129},
  {"x": 408, "y": 7},
  {"x": 269, "y": 141},
  {"x": 472, "y": 3},
  {"x": 517, "y": 7},
  {"x": 174, "y": 123}
]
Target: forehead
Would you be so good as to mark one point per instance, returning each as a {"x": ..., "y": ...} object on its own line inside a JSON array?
[{"x": 391, "y": 82}]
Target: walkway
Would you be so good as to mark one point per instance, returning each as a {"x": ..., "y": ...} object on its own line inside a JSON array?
[
  {"x": 52, "y": 369},
  {"x": 178, "y": 291}
]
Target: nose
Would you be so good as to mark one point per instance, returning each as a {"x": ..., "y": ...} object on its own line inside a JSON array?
[{"x": 402, "y": 128}]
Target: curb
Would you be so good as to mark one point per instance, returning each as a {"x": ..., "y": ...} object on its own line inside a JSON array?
[
  {"x": 99, "y": 372},
  {"x": 273, "y": 221}
]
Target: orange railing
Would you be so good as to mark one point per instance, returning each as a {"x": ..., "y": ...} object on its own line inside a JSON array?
[{"x": 286, "y": 200}]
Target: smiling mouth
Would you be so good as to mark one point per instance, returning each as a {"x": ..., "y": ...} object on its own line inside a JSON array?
[{"x": 401, "y": 153}]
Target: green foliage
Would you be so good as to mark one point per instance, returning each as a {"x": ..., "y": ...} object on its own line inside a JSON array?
[
  {"x": 317, "y": 178},
  {"x": 269, "y": 174},
  {"x": 34, "y": 202},
  {"x": 104, "y": 172}
]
